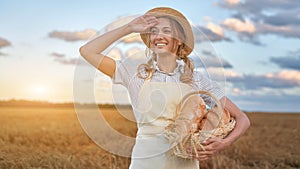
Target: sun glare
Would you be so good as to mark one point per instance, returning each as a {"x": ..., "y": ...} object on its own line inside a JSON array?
[{"x": 40, "y": 90}]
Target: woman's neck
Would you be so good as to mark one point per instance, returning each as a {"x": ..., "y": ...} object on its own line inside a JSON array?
[{"x": 166, "y": 63}]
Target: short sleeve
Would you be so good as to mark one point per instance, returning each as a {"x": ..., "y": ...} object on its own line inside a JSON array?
[
  {"x": 126, "y": 69},
  {"x": 121, "y": 75}
]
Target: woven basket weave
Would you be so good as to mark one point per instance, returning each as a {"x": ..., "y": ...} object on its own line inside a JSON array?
[{"x": 193, "y": 140}]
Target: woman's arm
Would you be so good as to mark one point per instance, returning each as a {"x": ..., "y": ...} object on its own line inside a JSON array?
[
  {"x": 215, "y": 145},
  {"x": 242, "y": 121},
  {"x": 92, "y": 51}
]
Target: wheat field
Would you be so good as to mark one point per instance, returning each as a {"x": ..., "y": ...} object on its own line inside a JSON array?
[{"x": 52, "y": 138}]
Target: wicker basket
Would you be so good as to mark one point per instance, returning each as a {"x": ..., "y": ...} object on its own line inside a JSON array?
[{"x": 223, "y": 125}]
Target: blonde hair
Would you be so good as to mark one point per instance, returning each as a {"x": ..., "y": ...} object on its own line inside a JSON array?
[{"x": 181, "y": 53}]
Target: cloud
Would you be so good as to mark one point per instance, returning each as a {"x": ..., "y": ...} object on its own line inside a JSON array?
[
  {"x": 288, "y": 75},
  {"x": 4, "y": 43},
  {"x": 239, "y": 26},
  {"x": 232, "y": 2},
  {"x": 57, "y": 55},
  {"x": 73, "y": 36},
  {"x": 119, "y": 22},
  {"x": 253, "y": 18},
  {"x": 290, "y": 62},
  {"x": 132, "y": 38},
  {"x": 208, "y": 59},
  {"x": 256, "y": 7},
  {"x": 213, "y": 33},
  {"x": 3, "y": 54},
  {"x": 245, "y": 28},
  {"x": 230, "y": 73},
  {"x": 62, "y": 59},
  {"x": 215, "y": 29},
  {"x": 287, "y": 31},
  {"x": 283, "y": 79},
  {"x": 270, "y": 101},
  {"x": 72, "y": 61},
  {"x": 260, "y": 92},
  {"x": 283, "y": 18}
]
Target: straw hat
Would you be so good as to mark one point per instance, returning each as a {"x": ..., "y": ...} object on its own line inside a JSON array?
[{"x": 181, "y": 19}]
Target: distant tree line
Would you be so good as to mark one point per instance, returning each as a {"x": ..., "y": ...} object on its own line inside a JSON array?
[{"x": 33, "y": 103}]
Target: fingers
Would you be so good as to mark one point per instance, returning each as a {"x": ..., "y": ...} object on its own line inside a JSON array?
[
  {"x": 151, "y": 20},
  {"x": 201, "y": 157},
  {"x": 201, "y": 154},
  {"x": 206, "y": 153},
  {"x": 143, "y": 23},
  {"x": 149, "y": 17},
  {"x": 210, "y": 148},
  {"x": 209, "y": 141}
]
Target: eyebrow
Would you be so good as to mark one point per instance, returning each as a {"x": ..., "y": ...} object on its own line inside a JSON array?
[{"x": 166, "y": 27}]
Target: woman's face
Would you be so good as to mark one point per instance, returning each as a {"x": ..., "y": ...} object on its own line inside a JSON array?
[{"x": 162, "y": 37}]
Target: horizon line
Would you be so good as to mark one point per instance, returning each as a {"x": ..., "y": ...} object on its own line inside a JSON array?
[{"x": 41, "y": 103}]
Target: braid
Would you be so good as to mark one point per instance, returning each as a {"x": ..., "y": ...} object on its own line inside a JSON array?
[
  {"x": 187, "y": 75},
  {"x": 148, "y": 67},
  {"x": 150, "y": 62}
]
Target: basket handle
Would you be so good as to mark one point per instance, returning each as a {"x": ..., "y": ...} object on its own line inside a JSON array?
[{"x": 218, "y": 103}]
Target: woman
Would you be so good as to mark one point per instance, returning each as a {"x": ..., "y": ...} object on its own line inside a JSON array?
[{"x": 159, "y": 85}]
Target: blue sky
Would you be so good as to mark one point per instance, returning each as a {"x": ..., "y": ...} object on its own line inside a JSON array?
[{"x": 258, "y": 39}]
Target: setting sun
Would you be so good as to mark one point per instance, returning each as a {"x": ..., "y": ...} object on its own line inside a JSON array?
[{"x": 40, "y": 90}]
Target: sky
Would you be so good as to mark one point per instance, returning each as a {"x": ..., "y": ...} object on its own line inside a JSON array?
[{"x": 257, "y": 42}]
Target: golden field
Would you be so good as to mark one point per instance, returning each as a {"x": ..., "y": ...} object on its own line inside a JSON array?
[{"x": 51, "y": 137}]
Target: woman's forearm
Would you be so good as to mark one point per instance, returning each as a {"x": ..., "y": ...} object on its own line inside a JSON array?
[
  {"x": 242, "y": 121},
  {"x": 96, "y": 46},
  {"x": 242, "y": 124},
  {"x": 100, "y": 43},
  {"x": 92, "y": 51}
]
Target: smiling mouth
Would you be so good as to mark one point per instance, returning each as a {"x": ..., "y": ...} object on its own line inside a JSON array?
[{"x": 160, "y": 44}]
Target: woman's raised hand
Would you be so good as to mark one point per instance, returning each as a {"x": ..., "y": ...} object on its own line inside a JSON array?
[{"x": 142, "y": 23}]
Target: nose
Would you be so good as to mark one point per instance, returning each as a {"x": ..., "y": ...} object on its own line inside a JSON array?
[{"x": 159, "y": 36}]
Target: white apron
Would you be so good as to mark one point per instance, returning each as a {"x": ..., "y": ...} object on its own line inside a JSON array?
[{"x": 155, "y": 108}]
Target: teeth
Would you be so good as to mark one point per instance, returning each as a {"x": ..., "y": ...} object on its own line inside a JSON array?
[{"x": 160, "y": 44}]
